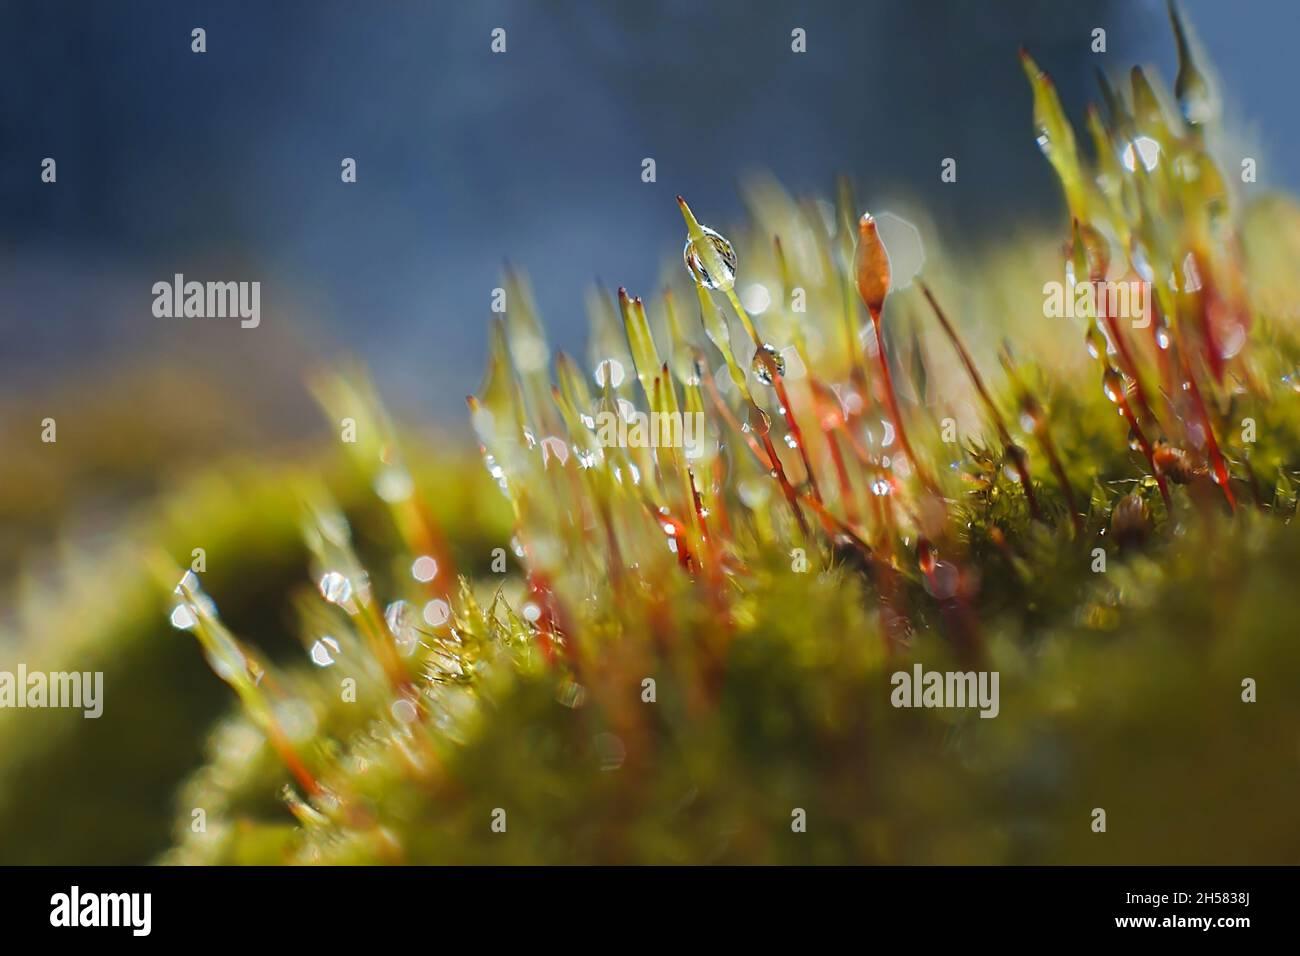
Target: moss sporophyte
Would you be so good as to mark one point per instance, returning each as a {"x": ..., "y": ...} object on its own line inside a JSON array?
[{"x": 844, "y": 492}]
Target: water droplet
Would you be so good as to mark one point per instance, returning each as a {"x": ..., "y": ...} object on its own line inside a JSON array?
[
  {"x": 1142, "y": 262},
  {"x": 398, "y": 618},
  {"x": 394, "y": 484},
  {"x": 496, "y": 471},
  {"x": 183, "y": 618},
  {"x": 323, "y": 651},
  {"x": 424, "y": 569},
  {"x": 1191, "y": 274},
  {"x": 1197, "y": 102},
  {"x": 754, "y": 494},
  {"x": 404, "y": 711},
  {"x": 556, "y": 448},
  {"x": 1195, "y": 97},
  {"x": 755, "y": 298},
  {"x": 1163, "y": 338},
  {"x": 296, "y": 719},
  {"x": 1112, "y": 385},
  {"x": 768, "y": 363},
  {"x": 1232, "y": 338},
  {"x": 1092, "y": 340},
  {"x": 880, "y": 487},
  {"x": 1017, "y": 460},
  {"x": 1142, "y": 149},
  {"x": 335, "y": 587},
  {"x": 1096, "y": 251},
  {"x": 711, "y": 260},
  {"x": 609, "y": 372},
  {"x": 757, "y": 421},
  {"x": 1031, "y": 414},
  {"x": 436, "y": 613}
]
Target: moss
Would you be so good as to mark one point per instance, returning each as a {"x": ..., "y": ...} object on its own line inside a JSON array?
[{"x": 687, "y": 656}]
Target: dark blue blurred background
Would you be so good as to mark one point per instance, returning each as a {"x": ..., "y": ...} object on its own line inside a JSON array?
[{"x": 226, "y": 165}]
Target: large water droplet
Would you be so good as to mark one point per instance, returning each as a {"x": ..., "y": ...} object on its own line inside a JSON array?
[
  {"x": 711, "y": 260},
  {"x": 768, "y": 363}
]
